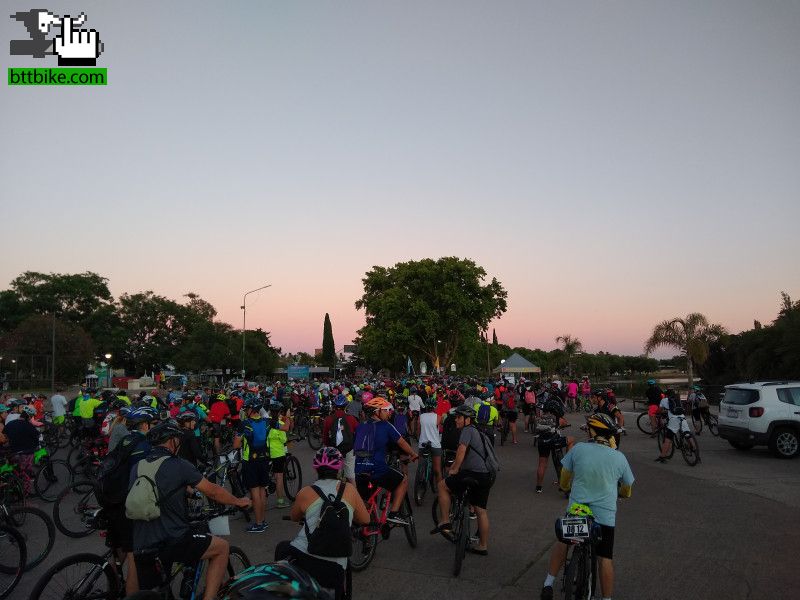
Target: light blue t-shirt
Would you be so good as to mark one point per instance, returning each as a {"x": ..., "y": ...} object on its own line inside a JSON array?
[{"x": 596, "y": 469}]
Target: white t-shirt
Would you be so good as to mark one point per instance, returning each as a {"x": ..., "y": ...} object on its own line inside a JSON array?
[
  {"x": 415, "y": 402},
  {"x": 429, "y": 432},
  {"x": 674, "y": 422},
  {"x": 558, "y": 383},
  {"x": 59, "y": 404},
  {"x": 11, "y": 417}
]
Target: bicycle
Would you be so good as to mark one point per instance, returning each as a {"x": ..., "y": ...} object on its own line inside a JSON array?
[
  {"x": 460, "y": 522},
  {"x": 365, "y": 537},
  {"x": 36, "y": 529},
  {"x": 559, "y": 442},
  {"x": 504, "y": 426},
  {"x": 581, "y": 533},
  {"x": 424, "y": 478},
  {"x": 646, "y": 427},
  {"x": 706, "y": 417},
  {"x": 75, "y": 510},
  {"x": 685, "y": 440},
  {"x": 13, "y": 558},
  {"x": 88, "y": 576}
]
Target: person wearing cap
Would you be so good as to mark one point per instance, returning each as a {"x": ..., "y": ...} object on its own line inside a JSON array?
[
  {"x": 371, "y": 462},
  {"x": 469, "y": 463},
  {"x": 171, "y": 535},
  {"x": 340, "y": 406},
  {"x": 22, "y": 439},
  {"x": 252, "y": 438},
  {"x": 603, "y": 406}
]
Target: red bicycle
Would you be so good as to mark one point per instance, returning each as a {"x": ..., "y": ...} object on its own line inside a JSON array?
[{"x": 365, "y": 537}]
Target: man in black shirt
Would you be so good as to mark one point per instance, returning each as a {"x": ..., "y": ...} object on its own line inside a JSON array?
[
  {"x": 602, "y": 405},
  {"x": 171, "y": 534}
]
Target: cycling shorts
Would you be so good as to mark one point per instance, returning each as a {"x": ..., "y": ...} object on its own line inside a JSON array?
[
  {"x": 652, "y": 409},
  {"x": 278, "y": 464},
  {"x": 478, "y": 494},
  {"x": 255, "y": 473},
  {"x": 546, "y": 445},
  {"x": 388, "y": 480},
  {"x": 605, "y": 547},
  {"x": 512, "y": 416},
  {"x": 527, "y": 409}
]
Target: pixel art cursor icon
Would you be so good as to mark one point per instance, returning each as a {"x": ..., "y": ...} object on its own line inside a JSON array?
[{"x": 74, "y": 47}]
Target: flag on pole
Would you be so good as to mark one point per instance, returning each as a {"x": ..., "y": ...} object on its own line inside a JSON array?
[{"x": 409, "y": 366}]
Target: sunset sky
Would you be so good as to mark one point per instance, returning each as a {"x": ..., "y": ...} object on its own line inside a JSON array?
[{"x": 613, "y": 164}]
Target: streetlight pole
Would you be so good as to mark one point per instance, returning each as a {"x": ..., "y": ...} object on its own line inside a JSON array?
[
  {"x": 244, "y": 317},
  {"x": 108, "y": 369}
]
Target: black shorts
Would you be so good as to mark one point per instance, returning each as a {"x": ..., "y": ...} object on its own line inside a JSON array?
[
  {"x": 255, "y": 473},
  {"x": 188, "y": 550},
  {"x": 120, "y": 529},
  {"x": 217, "y": 429},
  {"x": 478, "y": 494},
  {"x": 388, "y": 481},
  {"x": 512, "y": 415},
  {"x": 545, "y": 446},
  {"x": 605, "y": 547},
  {"x": 278, "y": 464},
  {"x": 669, "y": 434},
  {"x": 527, "y": 409}
]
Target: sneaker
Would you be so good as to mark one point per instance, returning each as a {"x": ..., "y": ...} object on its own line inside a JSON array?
[
  {"x": 472, "y": 516},
  {"x": 257, "y": 528},
  {"x": 538, "y": 489},
  {"x": 547, "y": 593},
  {"x": 395, "y": 518}
]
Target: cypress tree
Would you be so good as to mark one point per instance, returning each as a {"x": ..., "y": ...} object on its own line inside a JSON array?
[
  {"x": 494, "y": 337},
  {"x": 328, "y": 347}
]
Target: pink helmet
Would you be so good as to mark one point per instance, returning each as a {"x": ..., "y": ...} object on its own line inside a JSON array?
[{"x": 328, "y": 457}]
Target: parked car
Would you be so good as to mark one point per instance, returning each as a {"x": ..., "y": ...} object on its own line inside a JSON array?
[{"x": 764, "y": 413}]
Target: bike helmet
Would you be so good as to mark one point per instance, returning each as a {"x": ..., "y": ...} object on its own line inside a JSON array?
[
  {"x": 429, "y": 403},
  {"x": 164, "y": 431},
  {"x": 340, "y": 400},
  {"x": 272, "y": 581},
  {"x": 29, "y": 410},
  {"x": 553, "y": 407},
  {"x": 464, "y": 411},
  {"x": 378, "y": 403},
  {"x": 601, "y": 424},
  {"x": 275, "y": 405},
  {"x": 253, "y": 402},
  {"x": 221, "y": 397},
  {"x": 328, "y": 457},
  {"x": 600, "y": 393},
  {"x": 651, "y": 382},
  {"x": 3, "y": 408},
  {"x": 117, "y": 404},
  {"x": 186, "y": 415},
  {"x": 143, "y": 414},
  {"x": 696, "y": 388}
]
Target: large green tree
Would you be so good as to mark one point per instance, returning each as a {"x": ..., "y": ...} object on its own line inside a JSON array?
[
  {"x": 691, "y": 335},
  {"x": 425, "y": 309},
  {"x": 570, "y": 346},
  {"x": 328, "y": 346}
]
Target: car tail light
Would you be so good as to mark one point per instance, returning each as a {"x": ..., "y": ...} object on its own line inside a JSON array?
[{"x": 756, "y": 411}]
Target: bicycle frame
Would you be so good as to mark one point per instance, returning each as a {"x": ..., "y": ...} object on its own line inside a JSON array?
[{"x": 374, "y": 510}]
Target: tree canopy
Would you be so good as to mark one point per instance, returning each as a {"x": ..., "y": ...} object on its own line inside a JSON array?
[{"x": 425, "y": 309}]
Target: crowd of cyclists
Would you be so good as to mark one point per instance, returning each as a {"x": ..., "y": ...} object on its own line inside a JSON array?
[{"x": 367, "y": 433}]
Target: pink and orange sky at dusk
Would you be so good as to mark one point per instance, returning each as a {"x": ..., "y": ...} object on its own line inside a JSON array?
[{"x": 611, "y": 164}]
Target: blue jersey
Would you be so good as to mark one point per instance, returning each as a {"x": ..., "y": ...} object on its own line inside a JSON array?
[{"x": 372, "y": 440}]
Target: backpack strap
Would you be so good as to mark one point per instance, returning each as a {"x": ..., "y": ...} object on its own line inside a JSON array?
[{"x": 325, "y": 500}]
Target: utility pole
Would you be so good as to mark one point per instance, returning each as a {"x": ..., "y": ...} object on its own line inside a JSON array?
[{"x": 244, "y": 318}]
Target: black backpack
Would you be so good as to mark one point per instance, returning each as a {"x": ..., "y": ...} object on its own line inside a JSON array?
[
  {"x": 332, "y": 536},
  {"x": 111, "y": 487},
  {"x": 341, "y": 424},
  {"x": 450, "y": 433}
]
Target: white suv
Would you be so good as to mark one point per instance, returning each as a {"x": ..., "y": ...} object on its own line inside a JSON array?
[{"x": 765, "y": 413}]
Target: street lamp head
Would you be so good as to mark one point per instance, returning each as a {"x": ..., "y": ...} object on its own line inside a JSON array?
[
  {"x": 108, "y": 355},
  {"x": 502, "y": 361}
]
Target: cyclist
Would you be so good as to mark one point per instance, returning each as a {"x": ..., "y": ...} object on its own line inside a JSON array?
[
  {"x": 511, "y": 413},
  {"x": 596, "y": 474},
  {"x": 217, "y": 413},
  {"x": 344, "y": 428},
  {"x": 190, "y": 449},
  {"x": 654, "y": 396},
  {"x": 252, "y": 438},
  {"x": 699, "y": 403},
  {"x": 171, "y": 534},
  {"x": 415, "y": 409},
  {"x": 429, "y": 423},
  {"x": 586, "y": 389},
  {"x": 572, "y": 395},
  {"x": 470, "y": 463},
  {"x": 602, "y": 405},
  {"x": 270, "y": 581},
  {"x": 554, "y": 410},
  {"x": 329, "y": 571},
  {"x": 23, "y": 440},
  {"x": 372, "y": 442},
  {"x": 672, "y": 407},
  {"x": 276, "y": 440}
]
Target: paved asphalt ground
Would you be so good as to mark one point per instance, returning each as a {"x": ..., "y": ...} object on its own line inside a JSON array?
[{"x": 723, "y": 529}]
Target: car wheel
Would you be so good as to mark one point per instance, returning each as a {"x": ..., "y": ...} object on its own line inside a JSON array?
[
  {"x": 785, "y": 443},
  {"x": 740, "y": 445}
]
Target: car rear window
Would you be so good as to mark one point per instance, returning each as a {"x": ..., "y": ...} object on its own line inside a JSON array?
[
  {"x": 740, "y": 396},
  {"x": 789, "y": 395}
]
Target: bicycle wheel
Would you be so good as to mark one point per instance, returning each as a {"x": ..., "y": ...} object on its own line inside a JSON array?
[
  {"x": 363, "y": 546},
  {"x": 660, "y": 437},
  {"x": 237, "y": 489},
  {"x": 576, "y": 576},
  {"x": 37, "y": 530},
  {"x": 315, "y": 435},
  {"x": 237, "y": 561},
  {"x": 421, "y": 482},
  {"x": 72, "y": 509},
  {"x": 53, "y": 478},
  {"x": 690, "y": 448},
  {"x": 12, "y": 491},
  {"x": 644, "y": 424},
  {"x": 697, "y": 423},
  {"x": 461, "y": 535},
  {"x": 12, "y": 559},
  {"x": 712, "y": 423},
  {"x": 557, "y": 454},
  {"x": 292, "y": 477},
  {"x": 81, "y": 576},
  {"x": 411, "y": 528}
]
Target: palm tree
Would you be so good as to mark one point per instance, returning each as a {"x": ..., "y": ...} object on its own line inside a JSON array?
[
  {"x": 691, "y": 335},
  {"x": 571, "y": 346}
]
